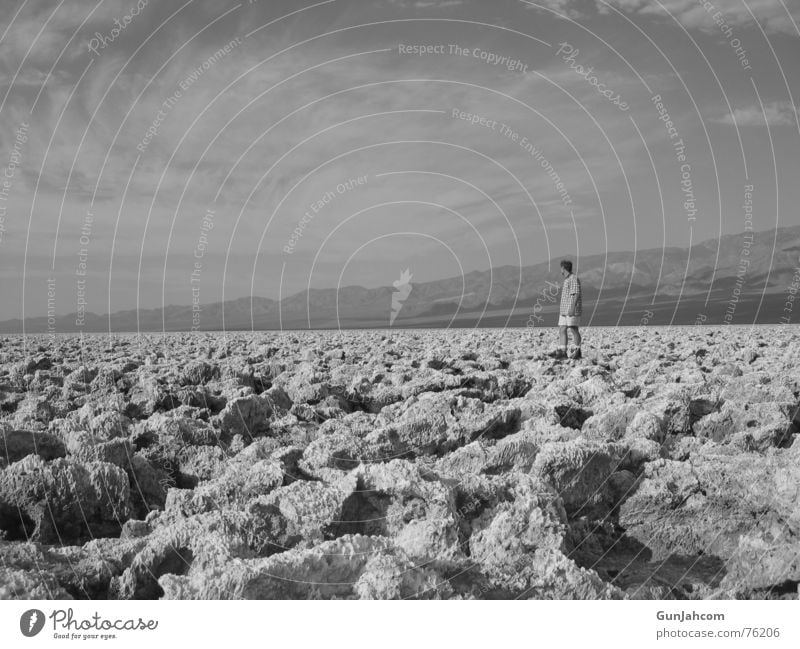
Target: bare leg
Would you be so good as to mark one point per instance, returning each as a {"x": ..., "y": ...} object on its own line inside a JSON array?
[
  {"x": 576, "y": 336},
  {"x": 562, "y": 337}
]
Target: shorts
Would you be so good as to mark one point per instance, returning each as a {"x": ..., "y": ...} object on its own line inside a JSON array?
[{"x": 569, "y": 321}]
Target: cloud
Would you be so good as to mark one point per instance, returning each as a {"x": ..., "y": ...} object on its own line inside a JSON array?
[
  {"x": 40, "y": 30},
  {"x": 427, "y": 4},
  {"x": 570, "y": 8},
  {"x": 777, "y": 113},
  {"x": 775, "y": 16},
  {"x": 708, "y": 15},
  {"x": 421, "y": 4}
]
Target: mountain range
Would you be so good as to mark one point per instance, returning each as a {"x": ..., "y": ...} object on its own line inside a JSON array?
[{"x": 751, "y": 272}]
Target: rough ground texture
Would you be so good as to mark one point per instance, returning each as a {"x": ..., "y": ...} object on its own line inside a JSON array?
[{"x": 405, "y": 464}]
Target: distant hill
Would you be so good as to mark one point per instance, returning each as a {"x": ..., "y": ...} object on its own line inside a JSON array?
[{"x": 655, "y": 286}]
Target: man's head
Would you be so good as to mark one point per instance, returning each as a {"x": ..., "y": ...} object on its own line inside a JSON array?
[{"x": 566, "y": 267}]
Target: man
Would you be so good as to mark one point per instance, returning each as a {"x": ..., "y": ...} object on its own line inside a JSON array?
[{"x": 570, "y": 314}]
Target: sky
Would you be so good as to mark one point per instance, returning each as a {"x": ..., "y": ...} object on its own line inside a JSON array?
[{"x": 158, "y": 153}]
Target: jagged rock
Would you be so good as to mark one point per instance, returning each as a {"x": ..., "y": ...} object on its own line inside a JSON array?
[
  {"x": 394, "y": 576},
  {"x": 763, "y": 560},
  {"x": 9, "y": 399},
  {"x": 646, "y": 425},
  {"x": 148, "y": 485},
  {"x": 171, "y": 433},
  {"x": 579, "y": 471},
  {"x": 421, "y": 464},
  {"x": 28, "y": 584},
  {"x": 306, "y": 510},
  {"x": 722, "y": 504},
  {"x": 335, "y": 451},
  {"x": 758, "y": 388},
  {"x": 79, "y": 380},
  {"x": 84, "y": 447},
  {"x": 134, "y": 529},
  {"x": 516, "y": 452},
  {"x": 197, "y": 464},
  {"x": 758, "y": 425},
  {"x": 329, "y": 570},
  {"x": 16, "y": 444},
  {"x": 437, "y": 423},
  {"x": 611, "y": 424},
  {"x": 492, "y": 385},
  {"x": 346, "y": 442},
  {"x": 519, "y": 546},
  {"x": 470, "y": 459},
  {"x": 277, "y": 400},
  {"x": 197, "y": 544},
  {"x": 37, "y": 363},
  {"x": 33, "y": 412},
  {"x": 247, "y": 416},
  {"x": 148, "y": 396},
  {"x": 62, "y": 500},
  {"x": 239, "y": 483},
  {"x": 59, "y": 573},
  {"x": 101, "y": 419},
  {"x": 570, "y": 414},
  {"x": 395, "y": 499},
  {"x": 198, "y": 373},
  {"x": 306, "y": 385}
]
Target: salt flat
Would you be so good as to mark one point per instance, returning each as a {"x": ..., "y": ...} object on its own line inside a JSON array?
[{"x": 401, "y": 464}]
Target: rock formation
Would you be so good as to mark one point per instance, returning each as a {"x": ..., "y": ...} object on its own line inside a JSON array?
[{"x": 411, "y": 464}]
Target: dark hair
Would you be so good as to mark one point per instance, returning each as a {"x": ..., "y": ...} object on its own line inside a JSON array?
[{"x": 566, "y": 264}]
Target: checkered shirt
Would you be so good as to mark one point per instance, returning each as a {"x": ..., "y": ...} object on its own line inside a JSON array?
[{"x": 571, "y": 295}]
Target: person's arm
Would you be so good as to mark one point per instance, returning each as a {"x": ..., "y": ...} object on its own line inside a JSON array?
[{"x": 574, "y": 289}]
